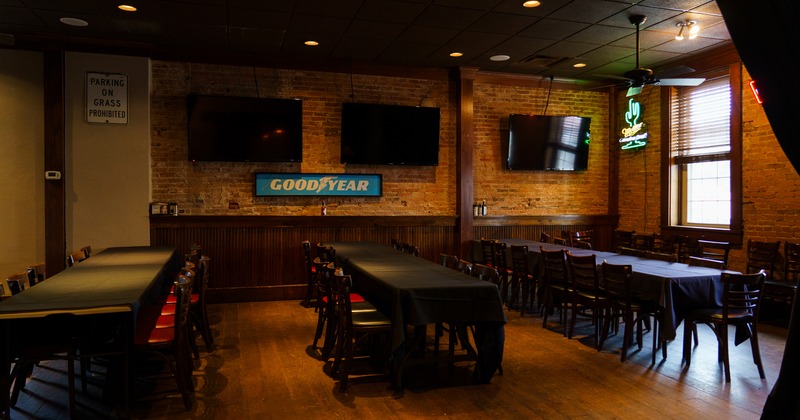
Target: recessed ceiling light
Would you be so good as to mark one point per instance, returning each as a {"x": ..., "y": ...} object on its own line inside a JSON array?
[
  {"x": 579, "y": 65},
  {"x": 499, "y": 57},
  {"x": 311, "y": 43},
  {"x": 127, "y": 7},
  {"x": 456, "y": 54},
  {"x": 531, "y": 3},
  {"x": 73, "y": 21}
]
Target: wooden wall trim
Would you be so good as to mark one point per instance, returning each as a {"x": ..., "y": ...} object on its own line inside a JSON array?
[
  {"x": 566, "y": 219},
  {"x": 297, "y": 221}
]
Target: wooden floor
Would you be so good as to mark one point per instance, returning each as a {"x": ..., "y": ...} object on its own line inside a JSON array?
[{"x": 263, "y": 367}]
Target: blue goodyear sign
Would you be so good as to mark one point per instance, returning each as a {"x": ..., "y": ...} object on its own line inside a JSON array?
[{"x": 327, "y": 185}]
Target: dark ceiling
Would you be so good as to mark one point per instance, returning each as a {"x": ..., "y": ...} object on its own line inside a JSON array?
[{"x": 546, "y": 40}]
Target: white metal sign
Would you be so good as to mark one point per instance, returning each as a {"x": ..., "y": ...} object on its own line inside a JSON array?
[{"x": 106, "y": 98}]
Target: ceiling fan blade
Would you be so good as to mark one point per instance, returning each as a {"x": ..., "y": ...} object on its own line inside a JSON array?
[
  {"x": 686, "y": 81},
  {"x": 634, "y": 90},
  {"x": 612, "y": 76},
  {"x": 674, "y": 72}
]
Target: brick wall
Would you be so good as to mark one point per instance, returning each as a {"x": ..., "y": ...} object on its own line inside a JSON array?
[{"x": 211, "y": 188}]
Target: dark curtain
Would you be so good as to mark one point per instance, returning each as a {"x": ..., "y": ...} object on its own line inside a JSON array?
[{"x": 766, "y": 34}]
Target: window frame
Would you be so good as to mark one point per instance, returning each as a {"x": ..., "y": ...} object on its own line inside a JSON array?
[{"x": 671, "y": 177}]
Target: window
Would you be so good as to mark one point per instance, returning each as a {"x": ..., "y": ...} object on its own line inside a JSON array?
[{"x": 703, "y": 157}]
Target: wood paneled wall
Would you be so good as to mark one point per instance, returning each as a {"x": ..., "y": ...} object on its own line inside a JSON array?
[{"x": 261, "y": 257}]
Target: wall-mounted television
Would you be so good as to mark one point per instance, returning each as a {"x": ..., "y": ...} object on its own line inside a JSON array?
[
  {"x": 548, "y": 143},
  {"x": 375, "y": 134},
  {"x": 245, "y": 129}
]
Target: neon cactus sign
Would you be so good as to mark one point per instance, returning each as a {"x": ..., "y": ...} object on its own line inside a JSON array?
[{"x": 635, "y": 134}]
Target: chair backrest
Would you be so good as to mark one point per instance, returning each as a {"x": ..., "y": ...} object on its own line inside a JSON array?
[
  {"x": 16, "y": 282},
  {"x": 615, "y": 280},
  {"x": 464, "y": 266},
  {"x": 519, "y": 261},
  {"x": 410, "y": 249},
  {"x": 582, "y": 245},
  {"x": 544, "y": 237},
  {"x": 326, "y": 253},
  {"x": 667, "y": 244},
  {"x": 623, "y": 238},
  {"x": 485, "y": 272},
  {"x": 87, "y": 250},
  {"x": 500, "y": 253},
  {"x": 583, "y": 272},
  {"x": 307, "y": 260},
  {"x": 36, "y": 273},
  {"x": 202, "y": 277},
  {"x": 662, "y": 256},
  {"x": 687, "y": 247},
  {"x": 643, "y": 241},
  {"x": 183, "y": 297},
  {"x": 554, "y": 266},
  {"x": 324, "y": 275},
  {"x": 342, "y": 304},
  {"x": 624, "y": 250},
  {"x": 395, "y": 243},
  {"x": 75, "y": 258},
  {"x": 742, "y": 294},
  {"x": 449, "y": 261},
  {"x": 706, "y": 262},
  {"x": 487, "y": 252},
  {"x": 762, "y": 255},
  {"x": 791, "y": 262},
  {"x": 559, "y": 241},
  {"x": 577, "y": 235},
  {"x": 714, "y": 250}
]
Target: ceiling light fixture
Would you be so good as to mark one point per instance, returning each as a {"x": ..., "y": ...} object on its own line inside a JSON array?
[
  {"x": 579, "y": 65},
  {"x": 693, "y": 29},
  {"x": 456, "y": 54},
  {"x": 499, "y": 57},
  {"x": 127, "y": 7},
  {"x": 311, "y": 43},
  {"x": 73, "y": 21},
  {"x": 532, "y": 3}
]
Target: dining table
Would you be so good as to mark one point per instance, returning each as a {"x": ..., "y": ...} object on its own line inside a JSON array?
[
  {"x": 110, "y": 286},
  {"x": 413, "y": 291},
  {"x": 677, "y": 287}
]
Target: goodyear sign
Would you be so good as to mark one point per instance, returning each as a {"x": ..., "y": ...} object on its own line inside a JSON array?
[{"x": 323, "y": 185}]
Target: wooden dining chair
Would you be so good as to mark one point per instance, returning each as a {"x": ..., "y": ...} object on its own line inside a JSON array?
[
  {"x": 714, "y": 250},
  {"x": 464, "y": 266},
  {"x": 661, "y": 256},
  {"x": 555, "y": 286},
  {"x": 791, "y": 262},
  {"x": 75, "y": 258},
  {"x": 36, "y": 273},
  {"x": 487, "y": 252},
  {"x": 486, "y": 273},
  {"x": 572, "y": 236},
  {"x": 522, "y": 281},
  {"x": 582, "y": 244},
  {"x": 309, "y": 269},
  {"x": 545, "y": 237},
  {"x": 706, "y": 262},
  {"x": 643, "y": 241},
  {"x": 16, "y": 282},
  {"x": 354, "y": 328},
  {"x": 741, "y": 300},
  {"x": 615, "y": 281},
  {"x": 449, "y": 261},
  {"x": 559, "y": 241},
  {"x": 624, "y": 250},
  {"x": 623, "y": 238},
  {"x": 584, "y": 293}
]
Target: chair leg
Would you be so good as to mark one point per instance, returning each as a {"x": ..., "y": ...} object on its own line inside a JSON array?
[
  {"x": 320, "y": 325},
  {"x": 756, "y": 350}
]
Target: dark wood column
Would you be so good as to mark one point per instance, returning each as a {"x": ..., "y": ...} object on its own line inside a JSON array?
[
  {"x": 613, "y": 152},
  {"x": 465, "y": 140},
  {"x": 54, "y": 160}
]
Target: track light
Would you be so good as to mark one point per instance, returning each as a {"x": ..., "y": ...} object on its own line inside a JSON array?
[{"x": 693, "y": 29}]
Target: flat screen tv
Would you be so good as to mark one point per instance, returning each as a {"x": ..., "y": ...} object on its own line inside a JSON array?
[
  {"x": 245, "y": 129},
  {"x": 390, "y": 135},
  {"x": 548, "y": 143}
]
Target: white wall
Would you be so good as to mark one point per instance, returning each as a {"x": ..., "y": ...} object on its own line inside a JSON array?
[
  {"x": 21, "y": 161},
  {"x": 107, "y": 166}
]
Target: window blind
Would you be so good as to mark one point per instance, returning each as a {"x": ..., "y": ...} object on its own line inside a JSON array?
[{"x": 701, "y": 122}]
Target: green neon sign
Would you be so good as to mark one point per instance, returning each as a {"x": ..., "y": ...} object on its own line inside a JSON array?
[{"x": 635, "y": 134}]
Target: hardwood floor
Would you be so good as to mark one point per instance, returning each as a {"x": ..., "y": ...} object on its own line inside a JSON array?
[{"x": 262, "y": 367}]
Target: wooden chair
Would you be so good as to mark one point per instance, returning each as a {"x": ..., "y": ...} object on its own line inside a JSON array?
[
  {"x": 688, "y": 247},
  {"x": 624, "y": 250},
  {"x": 763, "y": 255},
  {"x": 500, "y": 259},
  {"x": 582, "y": 245},
  {"x": 643, "y": 241},
  {"x": 661, "y": 256},
  {"x": 449, "y": 261},
  {"x": 665, "y": 244},
  {"x": 410, "y": 249},
  {"x": 741, "y": 300},
  {"x": 309, "y": 268},
  {"x": 75, "y": 258},
  {"x": 464, "y": 266},
  {"x": 706, "y": 262},
  {"x": 623, "y": 238},
  {"x": 791, "y": 262},
  {"x": 36, "y": 273},
  {"x": 171, "y": 344},
  {"x": 714, "y": 250},
  {"x": 559, "y": 241},
  {"x": 555, "y": 284},
  {"x": 573, "y": 236},
  {"x": 354, "y": 327},
  {"x": 584, "y": 292},
  {"x": 87, "y": 250},
  {"x": 544, "y": 237},
  {"x": 521, "y": 278},
  {"x": 325, "y": 253},
  {"x": 487, "y": 252},
  {"x": 616, "y": 282},
  {"x": 16, "y": 282},
  {"x": 487, "y": 273}
]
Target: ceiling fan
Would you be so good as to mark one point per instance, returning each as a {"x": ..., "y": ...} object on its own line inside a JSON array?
[{"x": 638, "y": 77}]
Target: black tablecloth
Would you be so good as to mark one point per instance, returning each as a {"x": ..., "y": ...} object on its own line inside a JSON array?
[{"x": 414, "y": 291}]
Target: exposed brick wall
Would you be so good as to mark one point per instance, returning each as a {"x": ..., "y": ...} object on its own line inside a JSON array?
[
  {"x": 537, "y": 192},
  {"x": 208, "y": 188}
]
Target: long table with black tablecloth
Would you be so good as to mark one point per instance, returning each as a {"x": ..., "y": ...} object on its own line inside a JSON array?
[
  {"x": 413, "y": 291},
  {"x": 112, "y": 283},
  {"x": 679, "y": 288}
]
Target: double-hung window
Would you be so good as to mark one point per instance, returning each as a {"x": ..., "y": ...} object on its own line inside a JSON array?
[{"x": 704, "y": 155}]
